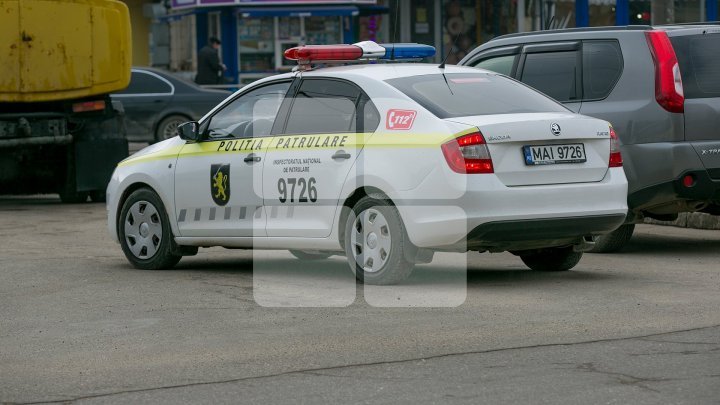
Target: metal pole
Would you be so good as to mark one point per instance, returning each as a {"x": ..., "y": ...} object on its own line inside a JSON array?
[{"x": 520, "y": 15}]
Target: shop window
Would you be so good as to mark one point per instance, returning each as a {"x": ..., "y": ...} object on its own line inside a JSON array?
[
  {"x": 602, "y": 65},
  {"x": 250, "y": 115},
  {"x": 323, "y": 107},
  {"x": 553, "y": 73},
  {"x": 500, "y": 64}
]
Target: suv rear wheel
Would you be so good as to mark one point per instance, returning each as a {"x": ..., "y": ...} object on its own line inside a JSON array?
[
  {"x": 552, "y": 259},
  {"x": 613, "y": 241}
]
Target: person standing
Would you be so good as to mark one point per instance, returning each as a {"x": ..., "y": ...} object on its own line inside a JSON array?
[{"x": 210, "y": 68}]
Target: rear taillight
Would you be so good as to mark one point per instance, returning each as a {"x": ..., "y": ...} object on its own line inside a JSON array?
[
  {"x": 615, "y": 155},
  {"x": 668, "y": 82},
  {"x": 468, "y": 154},
  {"x": 86, "y": 106}
]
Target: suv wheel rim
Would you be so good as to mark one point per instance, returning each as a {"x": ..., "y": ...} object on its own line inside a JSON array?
[
  {"x": 370, "y": 240},
  {"x": 143, "y": 230}
]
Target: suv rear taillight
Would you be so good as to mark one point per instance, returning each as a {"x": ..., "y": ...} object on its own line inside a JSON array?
[
  {"x": 468, "y": 154},
  {"x": 615, "y": 155},
  {"x": 668, "y": 82}
]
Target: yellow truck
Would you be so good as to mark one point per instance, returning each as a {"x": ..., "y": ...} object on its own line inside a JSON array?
[{"x": 59, "y": 61}]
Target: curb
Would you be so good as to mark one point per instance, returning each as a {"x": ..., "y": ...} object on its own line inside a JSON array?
[{"x": 694, "y": 220}]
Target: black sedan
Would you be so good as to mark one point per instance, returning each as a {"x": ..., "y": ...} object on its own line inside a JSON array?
[{"x": 156, "y": 102}]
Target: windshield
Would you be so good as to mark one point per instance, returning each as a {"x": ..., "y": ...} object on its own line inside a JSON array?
[{"x": 465, "y": 94}]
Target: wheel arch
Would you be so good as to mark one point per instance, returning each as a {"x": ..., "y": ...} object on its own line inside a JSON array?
[
  {"x": 350, "y": 201},
  {"x": 124, "y": 196}
]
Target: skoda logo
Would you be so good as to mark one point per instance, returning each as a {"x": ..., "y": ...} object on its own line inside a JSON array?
[{"x": 555, "y": 129}]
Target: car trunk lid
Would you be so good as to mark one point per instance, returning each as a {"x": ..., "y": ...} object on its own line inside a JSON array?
[{"x": 542, "y": 148}]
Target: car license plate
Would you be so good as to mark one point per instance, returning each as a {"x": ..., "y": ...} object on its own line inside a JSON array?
[{"x": 554, "y": 154}]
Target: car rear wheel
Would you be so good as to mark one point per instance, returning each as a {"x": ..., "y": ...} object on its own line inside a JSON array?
[
  {"x": 310, "y": 255},
  {"x": 144, "y": 232},
  {"x": 613, "y": 241},
  {"x": 167, "y": 128},
  {"x": 552, "y": 259},
  {"x": 375, "y": 242}
]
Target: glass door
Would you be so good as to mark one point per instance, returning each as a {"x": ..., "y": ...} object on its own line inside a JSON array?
[{"x": 256, "y": 48}]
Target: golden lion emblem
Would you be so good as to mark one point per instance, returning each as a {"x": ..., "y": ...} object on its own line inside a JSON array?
[{"x": 220, "y": 184}]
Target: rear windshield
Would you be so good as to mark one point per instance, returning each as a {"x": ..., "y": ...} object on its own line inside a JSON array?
[
  {"x": 699, "y": 59},
  {"x": 465, "y": 94}
]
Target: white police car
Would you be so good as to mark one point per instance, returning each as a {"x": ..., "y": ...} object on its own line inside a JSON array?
[{"x": 385, "y": 163}]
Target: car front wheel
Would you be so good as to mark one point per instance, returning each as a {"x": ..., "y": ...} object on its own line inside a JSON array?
[
  {"x": 375, "y": 242},
  {"x": 552, "y": 259},
  {"x": 144, "y": 232}
]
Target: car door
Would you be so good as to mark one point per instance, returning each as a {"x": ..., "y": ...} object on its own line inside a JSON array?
[
  {"x": 554, "y": 69},
  {"x": 147, "y": 95},
  {"x": 218, "y": 181},
  {"x": 311, "y": 155}
]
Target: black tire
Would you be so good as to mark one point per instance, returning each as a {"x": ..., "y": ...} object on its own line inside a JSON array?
[
  {"x": 552, "y": 259},
  {"x": 165, "y": 256},
  {"x": 395, "y": 267},
  {"x": 307, "y": 255},
  {"x": 613, "y": 241},
  {"x": 168, "y": 126}
]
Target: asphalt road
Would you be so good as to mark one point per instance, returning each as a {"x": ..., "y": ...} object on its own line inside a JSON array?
[{"x": 78, "y": 323}]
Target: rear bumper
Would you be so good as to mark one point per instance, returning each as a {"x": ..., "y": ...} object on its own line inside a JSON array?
[
  {"x": 705, "y": 188},
  {"x": 488, "y": 211},
  {"x": 506, "y": 234},
  {"x": 655, "y": 173}
]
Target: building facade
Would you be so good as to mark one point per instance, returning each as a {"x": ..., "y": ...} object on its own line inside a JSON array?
[{"x": 255, "y": 33}]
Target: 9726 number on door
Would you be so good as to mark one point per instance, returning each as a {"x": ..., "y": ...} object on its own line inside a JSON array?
[{"x": 307, "y": 192}]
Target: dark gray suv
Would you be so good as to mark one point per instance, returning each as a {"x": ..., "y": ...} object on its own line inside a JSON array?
[{"x": 658, "y": 86}]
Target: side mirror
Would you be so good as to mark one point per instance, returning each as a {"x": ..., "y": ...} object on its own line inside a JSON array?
[{"x": 189, "y": 131}]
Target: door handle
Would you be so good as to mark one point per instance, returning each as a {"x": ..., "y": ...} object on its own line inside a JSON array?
[
  {"x": 251, "y": 158},
  {"x": 341, "y": 154}
]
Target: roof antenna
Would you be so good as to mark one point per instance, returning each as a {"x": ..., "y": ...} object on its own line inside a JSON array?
[
  {"x": 395, "y": 26},
  {"x": 454, "y": 44}
]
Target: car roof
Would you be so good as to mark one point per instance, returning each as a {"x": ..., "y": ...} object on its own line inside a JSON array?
[
  {"x": 568, "y": 34},
  {"x": 387, "y": 71}
]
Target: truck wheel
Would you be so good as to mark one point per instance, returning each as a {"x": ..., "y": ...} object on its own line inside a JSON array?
[
  {"x": 144, "y": 232},
  {"x": 375, "y": 242},
  {"x": 167, "y": 128},
  {"x": 613, "y": 241},
  {"x": 310, "y": 255},
  {"x": 552, "y": 259}
]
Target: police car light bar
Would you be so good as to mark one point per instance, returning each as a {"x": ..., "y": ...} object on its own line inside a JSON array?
[{"x": 360, "y": 51}]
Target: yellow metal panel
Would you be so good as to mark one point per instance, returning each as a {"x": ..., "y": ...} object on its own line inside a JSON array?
[
  {"x": 9, "y": 46},
  {"x": 56, "y": 46},
  {"x": 68, "y": 49}
]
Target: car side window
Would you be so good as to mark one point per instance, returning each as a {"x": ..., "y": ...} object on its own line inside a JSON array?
[
  {"x": 324, "y": 106},
  {"x": 250, "y": 115},
  {"x": 145, "y": 83},
  {"x": 602, "y": 66},
  {"x": 553, "y": 73},
  {"x": 499, "y": 64}
]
